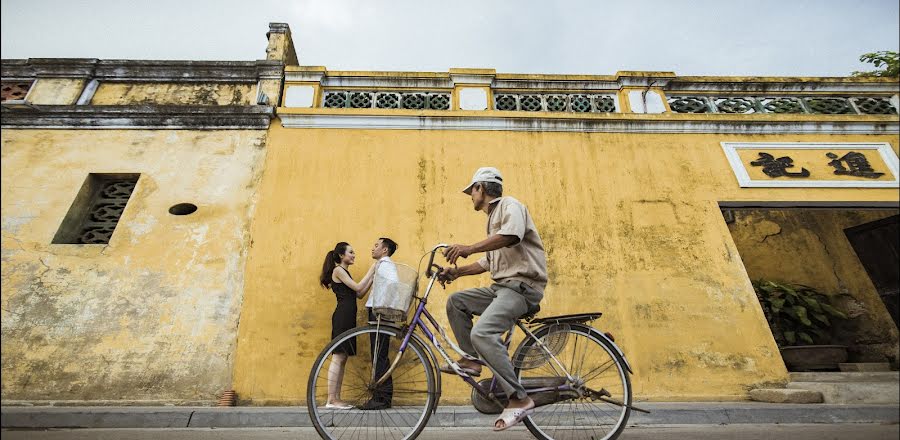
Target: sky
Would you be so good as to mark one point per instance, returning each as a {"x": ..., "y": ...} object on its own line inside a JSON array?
[{"x": 699, "y": 37}]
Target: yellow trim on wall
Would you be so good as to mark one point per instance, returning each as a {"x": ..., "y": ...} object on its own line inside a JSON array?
[
  {"x": 624, "y": 103},
  {"x": 692, "y": 117},
  {"x": 665, "y": 100}
]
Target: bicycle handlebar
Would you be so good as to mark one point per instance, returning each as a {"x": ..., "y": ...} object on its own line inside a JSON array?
[{"x": 428, "y": 271}]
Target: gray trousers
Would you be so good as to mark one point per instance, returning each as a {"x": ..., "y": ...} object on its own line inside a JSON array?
[{"x": 498, "y": 307}]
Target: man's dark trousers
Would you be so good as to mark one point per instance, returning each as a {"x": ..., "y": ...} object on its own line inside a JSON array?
[{"x": 385, "y": 391}]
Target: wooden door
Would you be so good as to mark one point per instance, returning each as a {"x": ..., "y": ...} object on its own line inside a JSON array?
[{"x": 876, "y": 246}]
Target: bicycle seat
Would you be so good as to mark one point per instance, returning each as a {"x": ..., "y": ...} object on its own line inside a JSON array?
[
  {"x": 568, "y": 319},
  {"x": 532, "y": 311}
]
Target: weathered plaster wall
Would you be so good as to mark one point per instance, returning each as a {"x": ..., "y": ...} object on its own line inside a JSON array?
[
  {"x": 111, "y": 93},
  {"x": 281, "y": 47},
  {"x": 56, "y": 91},
  {"x": 631, "y": 224},
  {"x": 272, "y": 89},
  {"x": 809, "y": 247},
  {"x": 153, "y": 315}
]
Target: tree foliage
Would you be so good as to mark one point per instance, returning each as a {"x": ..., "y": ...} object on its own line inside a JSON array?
[{"x": 887, "y": 62}]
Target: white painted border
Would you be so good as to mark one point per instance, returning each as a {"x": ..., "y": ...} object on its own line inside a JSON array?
[
  {"x": 740, "y": 171},
  {"x": 579, "y": 125}
]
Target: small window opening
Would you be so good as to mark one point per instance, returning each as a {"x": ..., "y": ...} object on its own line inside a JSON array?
[{"x": 96, "y": 210}]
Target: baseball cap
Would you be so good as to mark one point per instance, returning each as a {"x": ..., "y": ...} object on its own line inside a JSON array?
[{"x": 485, "y": 174}]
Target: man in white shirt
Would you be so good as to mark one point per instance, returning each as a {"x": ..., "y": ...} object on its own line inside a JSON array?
[{"x": 385, "y": 275}]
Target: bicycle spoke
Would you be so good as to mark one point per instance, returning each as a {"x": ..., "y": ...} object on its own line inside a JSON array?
[
  {"x": 597, "y": 367},
  {"x": 410, "y": 388}
]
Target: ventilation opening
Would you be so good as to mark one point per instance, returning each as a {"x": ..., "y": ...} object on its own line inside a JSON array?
[
  {"x": 14, "y": 90},
  {"x": 183, "y": 209},
  {"x": 96, "y": 210}
]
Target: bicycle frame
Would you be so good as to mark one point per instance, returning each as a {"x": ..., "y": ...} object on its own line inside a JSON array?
[{"x": 420, "y": 323}]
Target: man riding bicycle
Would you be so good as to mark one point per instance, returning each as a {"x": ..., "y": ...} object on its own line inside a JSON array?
[{"x": 515, "y": 257}]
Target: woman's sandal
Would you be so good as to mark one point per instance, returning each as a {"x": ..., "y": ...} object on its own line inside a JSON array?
[
  {"x": 512, "y": 417},
  {"x": 338, "y": 406}
]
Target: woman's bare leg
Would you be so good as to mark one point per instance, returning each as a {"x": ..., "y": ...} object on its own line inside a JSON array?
[{"x": 336, "y": 377}]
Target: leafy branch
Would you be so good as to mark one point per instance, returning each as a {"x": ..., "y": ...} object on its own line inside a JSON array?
[{"x": 886, "y": 60}]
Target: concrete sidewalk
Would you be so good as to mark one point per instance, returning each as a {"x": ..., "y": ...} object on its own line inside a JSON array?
[{"x": 708, "y": 413}]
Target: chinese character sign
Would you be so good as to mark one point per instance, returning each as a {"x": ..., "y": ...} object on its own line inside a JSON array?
[
  {"x": 856, "y": 165},
  {"x": 798, "y": 164},
  {"x": 773, "y": 167}
]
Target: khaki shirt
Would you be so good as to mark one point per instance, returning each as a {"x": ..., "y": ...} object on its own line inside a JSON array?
[{"x": 524, "y": 261}]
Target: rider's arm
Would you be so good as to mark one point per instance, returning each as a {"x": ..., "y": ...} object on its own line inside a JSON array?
[
  {"x": 451, "y": 273},
  {"x": 471, "y": 269},
  {"x": 512, "y": 220},
  {"x": 491, "y": 243}
]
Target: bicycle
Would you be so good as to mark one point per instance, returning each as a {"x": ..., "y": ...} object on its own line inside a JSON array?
[{"x": 579, "y": 392}]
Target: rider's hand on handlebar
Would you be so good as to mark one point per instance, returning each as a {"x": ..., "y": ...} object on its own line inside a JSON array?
[
  {"x": 448, "y": 274},
  {"x": 455, "y": 251}
]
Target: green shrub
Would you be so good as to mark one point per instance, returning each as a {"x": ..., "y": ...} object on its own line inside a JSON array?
[{"x": 797, "y": 314}]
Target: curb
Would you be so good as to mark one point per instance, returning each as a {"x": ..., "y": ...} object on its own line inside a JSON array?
[{"x": 448, "y": 416}]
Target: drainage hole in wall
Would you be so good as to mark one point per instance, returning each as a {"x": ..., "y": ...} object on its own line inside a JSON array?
[{"x": 183, "y": 209}]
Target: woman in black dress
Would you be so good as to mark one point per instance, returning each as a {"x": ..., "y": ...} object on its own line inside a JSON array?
[{"x": 335, "y": 275}]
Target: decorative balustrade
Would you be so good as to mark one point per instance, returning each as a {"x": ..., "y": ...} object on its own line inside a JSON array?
[
  {"x": 536, "y": 102},
  {"x": 387, "y": 100},
  {"x": 608, "y": 102},
  {"x": 827, "y": 105}
]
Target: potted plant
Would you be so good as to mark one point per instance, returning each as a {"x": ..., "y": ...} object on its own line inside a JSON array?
[{"x": 801, "y": 318}]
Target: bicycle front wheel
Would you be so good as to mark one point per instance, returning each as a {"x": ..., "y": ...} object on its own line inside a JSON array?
[
  {"x": 396, "y": 409},
  {"x": 598, "y": 371}
]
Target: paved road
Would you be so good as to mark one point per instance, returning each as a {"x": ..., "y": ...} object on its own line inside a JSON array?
[{"x": 693, "y": 432}]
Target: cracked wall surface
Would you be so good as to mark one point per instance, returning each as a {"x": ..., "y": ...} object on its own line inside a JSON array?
[
  {"x": 151, "y": 316},
  {"x": 809, "y": 247},
  {"x": 111, "y": 93},
  {"x": 630, "y": 222}
]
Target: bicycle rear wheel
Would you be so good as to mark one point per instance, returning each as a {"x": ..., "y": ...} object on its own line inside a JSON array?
[
  {"x": 411, "y": 390},
  {"x": 597, "y": 369}
]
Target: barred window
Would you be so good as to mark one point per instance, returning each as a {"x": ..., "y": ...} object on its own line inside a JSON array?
[
  {"x": 14, "y": 90},
  {"x": 97, "y": 208}
]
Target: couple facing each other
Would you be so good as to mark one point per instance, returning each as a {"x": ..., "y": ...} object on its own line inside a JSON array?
[{"x": 336, "y": 276}]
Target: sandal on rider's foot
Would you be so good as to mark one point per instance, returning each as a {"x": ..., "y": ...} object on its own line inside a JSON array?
[
  {"x": 446, "y": 368},
  {"x": 511, "y": 417}
]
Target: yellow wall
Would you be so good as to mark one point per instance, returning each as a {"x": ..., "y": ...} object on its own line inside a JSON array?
[
  {"x": 809, "y": 247},
  {"x": 630, "y": 222},
  {"x": 56, "y": 91},
  {"x": 110, "y": 93},
  {"x": 153, "y": 314}
]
